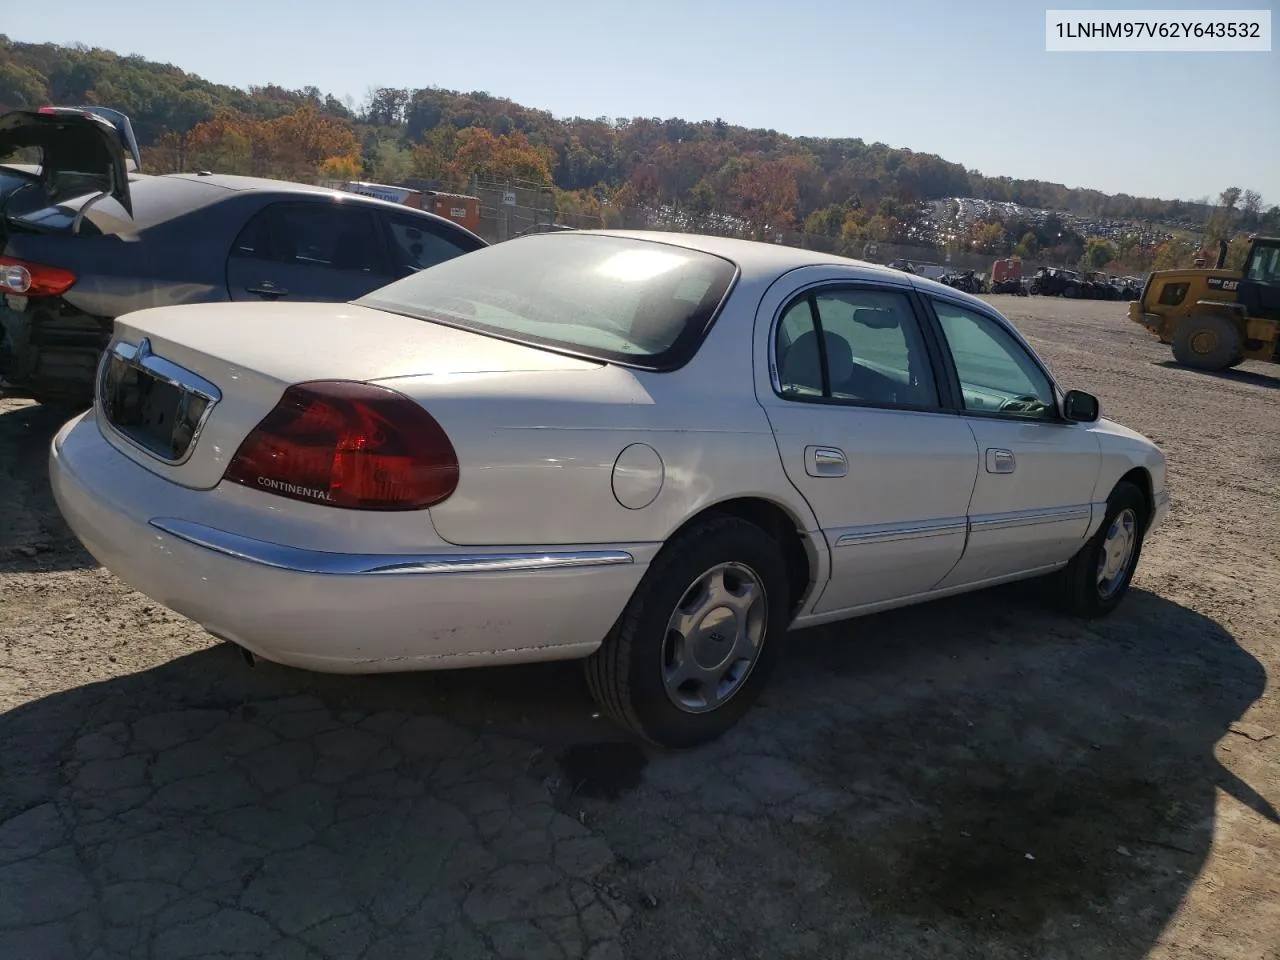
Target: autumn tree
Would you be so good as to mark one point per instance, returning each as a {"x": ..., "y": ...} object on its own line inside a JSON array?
[
  {"x": 987, "y": 237},
  {"x": 1172, "y": 254},
  {"x": 341, "y": 168},
  {"x": 1097, "y": 254},
  {"x": 1219, "y": 224},
  {"x": 1251, "y": 205},
  {"x": 853, "y": 232},
  {"x": 387, "y": 106},
  {"x": 294, "y": 146},
  {"x": 827, "y": 221},
  {"x": 702, "y": 202},
  {"x": 768, "y": 195},
  {"x": 391, "y": 161},
  {"x": 508, "y": 157},
  {"x": 223, "y": 144},
  {"x": 646, "y": 183},
  {"x": 167, "y": 155}
]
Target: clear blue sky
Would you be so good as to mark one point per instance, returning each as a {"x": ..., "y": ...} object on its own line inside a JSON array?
[{"x": 968, "y": 80}]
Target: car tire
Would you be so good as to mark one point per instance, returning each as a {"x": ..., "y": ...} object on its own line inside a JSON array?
[
  {"x": 1206, "y": 341},
  {"x": 1070, "y": 291},
  {"x": 1095, "y": 581},
  {"x": 636, "y": 673}
]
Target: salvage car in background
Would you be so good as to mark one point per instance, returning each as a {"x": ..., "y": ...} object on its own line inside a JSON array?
[
  {"x": 83, "y": 240},
  {"x": 654, "y": 451}
]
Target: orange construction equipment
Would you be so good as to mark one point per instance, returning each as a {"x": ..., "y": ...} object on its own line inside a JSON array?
[{"x": 1007, "y": 269}]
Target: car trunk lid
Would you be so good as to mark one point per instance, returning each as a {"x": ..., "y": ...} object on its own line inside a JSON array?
[
  {"x": 184, "y": 385},
  {"x": 70, "y": 141}
]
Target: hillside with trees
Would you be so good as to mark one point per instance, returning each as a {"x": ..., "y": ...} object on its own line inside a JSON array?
[{"x": 843, "y": 193}]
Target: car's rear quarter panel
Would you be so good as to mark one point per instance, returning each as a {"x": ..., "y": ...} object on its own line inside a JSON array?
[{"x": 537, "y": 450}]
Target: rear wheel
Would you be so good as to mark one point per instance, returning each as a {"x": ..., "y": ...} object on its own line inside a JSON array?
[
  {"x": 697, "y": 642},
  {"x": 1098, "y": 577},
  {"x": 1206, "y": 342}
]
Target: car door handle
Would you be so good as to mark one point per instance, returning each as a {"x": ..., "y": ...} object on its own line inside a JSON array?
[
  {"x": 1000, "y": 461},
  {"x": 825, "y": 462},
  {"x": 267, "y": 289}
]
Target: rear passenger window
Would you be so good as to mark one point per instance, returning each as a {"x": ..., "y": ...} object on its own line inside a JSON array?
[
  {"x": 857, "y": 345},
  {"x": 416, "y": 245},
  {"x": 312, "y": 234}
]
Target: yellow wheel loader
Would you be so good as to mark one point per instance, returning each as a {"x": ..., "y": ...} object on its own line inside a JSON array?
[{"x": 1217, "y": 318}]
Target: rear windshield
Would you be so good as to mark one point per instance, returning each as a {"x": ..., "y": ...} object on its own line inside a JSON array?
[{"x": 618, "y": 299}]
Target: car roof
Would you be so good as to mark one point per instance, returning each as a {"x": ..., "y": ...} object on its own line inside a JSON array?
[
  {"x": 163, "y": 197},
  {"x": 751, "y": 256},
  {"x": 229, "y": 181},
  {"x": 235, "y": 182},
  {"x": 758, "y": 259}
]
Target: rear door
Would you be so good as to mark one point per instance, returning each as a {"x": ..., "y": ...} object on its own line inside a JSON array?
[
  {"x": 308, "y": 249},
  {"x": 863, "y": 434}
]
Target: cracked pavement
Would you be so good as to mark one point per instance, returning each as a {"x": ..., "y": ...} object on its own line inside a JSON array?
[
  {"x": 279, "y": 828},
  {"x": 974, "y": 778}
]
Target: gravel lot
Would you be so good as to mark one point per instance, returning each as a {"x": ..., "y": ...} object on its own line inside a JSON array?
[{"x": 975, "y": 778}]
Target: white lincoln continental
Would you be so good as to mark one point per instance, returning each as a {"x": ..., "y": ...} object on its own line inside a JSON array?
[{"x": 656, "y": 452}]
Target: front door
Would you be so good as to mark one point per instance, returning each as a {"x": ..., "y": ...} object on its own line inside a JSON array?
[
  {"x": 855, "y": 409},
  {"x": 1036, "y": 472}
]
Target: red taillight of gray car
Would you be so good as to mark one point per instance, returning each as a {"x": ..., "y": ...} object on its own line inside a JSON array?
[
  {"x": 352, "y": 445},
  {"x": 25, "y": 279}
]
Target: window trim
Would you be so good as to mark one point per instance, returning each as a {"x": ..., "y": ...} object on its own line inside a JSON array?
[
  {"x": 924, "y": 324},
  {"x": 271, "y": 207},
  {"x": 953, "y": 375}
]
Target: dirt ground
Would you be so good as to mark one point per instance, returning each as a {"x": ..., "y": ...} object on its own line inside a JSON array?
[{"x": 975, "y": 778}]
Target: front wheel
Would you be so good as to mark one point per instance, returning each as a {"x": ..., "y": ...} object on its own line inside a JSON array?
[
  {"x": 1098, "y": 577},
  {"x": 697, "y": 641},
  {"x": 1206, "y": 342}
]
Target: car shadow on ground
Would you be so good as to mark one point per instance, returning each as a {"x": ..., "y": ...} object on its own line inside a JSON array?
[
  {"x": 1235, "y": 375},
  {"x": 33, "y": 536},
  {"x": 972, "y": 777}
]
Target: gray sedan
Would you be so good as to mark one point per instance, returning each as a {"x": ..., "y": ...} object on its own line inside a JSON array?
[{"x": 85, "y": 239}]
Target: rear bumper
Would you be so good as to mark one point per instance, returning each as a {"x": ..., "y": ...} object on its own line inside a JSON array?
[{"x": 338, "y": 612}]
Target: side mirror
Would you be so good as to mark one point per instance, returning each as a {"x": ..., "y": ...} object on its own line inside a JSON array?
[{"x": 1080, "y": 406}]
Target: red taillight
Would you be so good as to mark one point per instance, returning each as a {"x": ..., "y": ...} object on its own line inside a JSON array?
[
  {"x": 27, "y": 279},
  {"x": 352, "y": 445}
]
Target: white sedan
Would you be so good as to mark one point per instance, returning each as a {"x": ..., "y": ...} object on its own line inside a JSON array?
[{"x": 657, "y": 452}]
